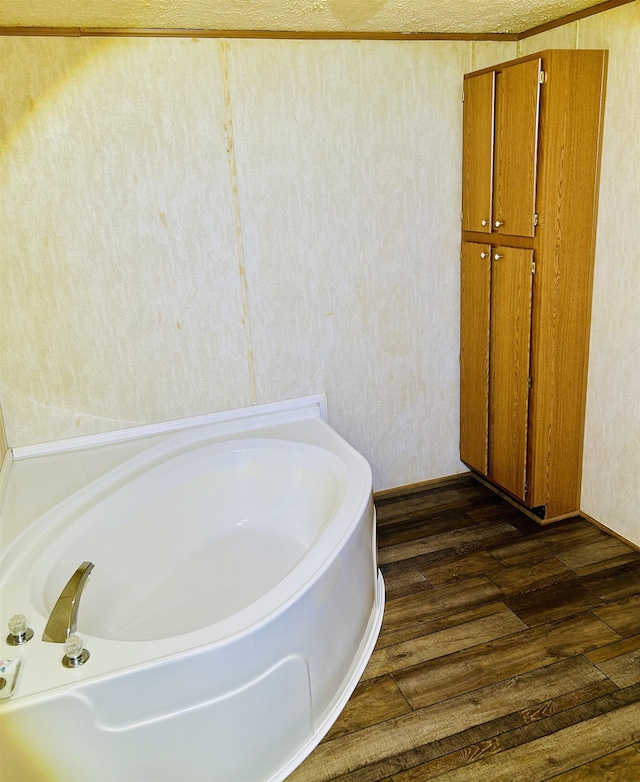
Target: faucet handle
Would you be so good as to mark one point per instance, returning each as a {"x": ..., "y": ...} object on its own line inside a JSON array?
[
  {"x": 19, "y": 633},
  {"x": 75, "y": 654}
]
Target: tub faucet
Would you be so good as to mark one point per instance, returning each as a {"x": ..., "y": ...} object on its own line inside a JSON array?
[{"x": 63, "y": 620}]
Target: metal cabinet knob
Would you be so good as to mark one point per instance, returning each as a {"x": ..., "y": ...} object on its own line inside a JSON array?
[
  {"x": 497, "y": 256},
  {"x": 484, "y": 255},
  {"x": 498, "y": 223},
  {"x": 485, "y": 222}
]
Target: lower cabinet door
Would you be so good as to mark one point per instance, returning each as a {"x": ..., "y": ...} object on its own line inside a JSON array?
[
  {"x": 511, "y": 291},
  {"x": 475, "y": 276}
]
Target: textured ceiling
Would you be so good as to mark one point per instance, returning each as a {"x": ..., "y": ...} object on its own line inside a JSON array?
[{"x": 335, "y": 16}]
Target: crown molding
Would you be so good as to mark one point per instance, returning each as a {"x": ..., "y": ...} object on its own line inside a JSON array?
[{"x": 327, "y": 35}]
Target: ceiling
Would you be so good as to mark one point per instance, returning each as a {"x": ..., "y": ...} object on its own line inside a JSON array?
[{"x": 314, "y": 16}]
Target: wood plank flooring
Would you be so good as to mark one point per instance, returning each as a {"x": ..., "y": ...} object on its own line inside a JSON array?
[{"x": 508, "y": 651}]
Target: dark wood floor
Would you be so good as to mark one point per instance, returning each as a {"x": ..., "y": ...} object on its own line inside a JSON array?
[{"x": 508, "y": 651}]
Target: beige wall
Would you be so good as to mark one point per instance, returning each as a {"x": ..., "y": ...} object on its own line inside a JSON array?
[
  {"x": 121, "y": 300},
  {"x": 611, "y": 473},
  {"x": 3, "y": 438},
  {"x": 193, "y": 226}
]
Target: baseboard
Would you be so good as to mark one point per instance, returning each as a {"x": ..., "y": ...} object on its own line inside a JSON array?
[
  {"x": 553, "y": 519},
  {"x": 435, "y": 483},
  {"x": 521, "y": 507},
  {"x": 608, "y": 530},
  {"x": 412, "y": 488}
]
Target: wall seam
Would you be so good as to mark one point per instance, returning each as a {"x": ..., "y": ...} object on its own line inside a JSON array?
[
  {"x": 4, "y": 442},
  {"x": 231, "y": 153}
]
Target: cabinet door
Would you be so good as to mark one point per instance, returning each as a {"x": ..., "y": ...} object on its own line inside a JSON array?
[
  {"x": 477, "y": 152},
  {"x": 516, "y": 148},
  {"x": 511, "y": 289},
  {"x": 474, "y": 354}
]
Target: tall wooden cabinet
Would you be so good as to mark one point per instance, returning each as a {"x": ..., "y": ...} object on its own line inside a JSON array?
[{"x": 532, "y": 134}]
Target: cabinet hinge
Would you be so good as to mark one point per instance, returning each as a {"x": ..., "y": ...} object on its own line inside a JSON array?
[
  {"x": 529, "y": 382},
  {"x": 533, "y": 267},
  {"x": 535, "y": 218},
  {"x": 525, "y": 489},
  {"x": 463, "y": 95},
  {"x": 542, "y": 77}
]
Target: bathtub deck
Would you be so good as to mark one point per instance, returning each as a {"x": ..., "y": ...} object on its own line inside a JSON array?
[{"x": 508, "y": 650}]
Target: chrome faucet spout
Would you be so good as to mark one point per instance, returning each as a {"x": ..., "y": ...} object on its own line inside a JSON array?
[{"x": 63, "y": 620}]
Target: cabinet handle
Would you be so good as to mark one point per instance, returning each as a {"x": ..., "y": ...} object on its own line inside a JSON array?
[
  {"x": 485, "y": 223},
  {"x": 497, "y": 256},
  {"x": 498, "y": 223},
  {"x": 484, "y": 255}
]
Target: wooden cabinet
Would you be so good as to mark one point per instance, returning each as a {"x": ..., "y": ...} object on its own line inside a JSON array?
[
  {"x": 500, "y": 142},
  {"x": 531, "y": 154},
  {"x": 477, "y": 153},
  {"x": 511, "y": 285},
  {"x": 475, "y": 275}
]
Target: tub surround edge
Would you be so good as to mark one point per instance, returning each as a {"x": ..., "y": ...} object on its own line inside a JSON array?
[
  {"x": 315, "y": 404},
  {"x": 5, "y": 471}
]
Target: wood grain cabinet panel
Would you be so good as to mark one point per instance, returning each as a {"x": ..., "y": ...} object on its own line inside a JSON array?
[
  {"x": 532, "y": 132},
  {"x": 516, "y": 147},
  {"x": 511, "y": 286},
  {"x": 474, "y": 354},
  {"x": 477, "y": 153}
]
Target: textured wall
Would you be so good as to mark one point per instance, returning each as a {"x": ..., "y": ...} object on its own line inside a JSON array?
[
  {"x": 3, "y": 439},
  {"x": 487, "y": 53},
  {"x": 347, "y": 176},
  {"x": 192, "y": 226},
  {"x": 121, "y": 299},
  {"x": 138, "y": 285},
  {"x": 611, "y": 486}
]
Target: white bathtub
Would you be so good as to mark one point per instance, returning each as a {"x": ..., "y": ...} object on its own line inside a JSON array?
[{"x": 234, "y": 602}]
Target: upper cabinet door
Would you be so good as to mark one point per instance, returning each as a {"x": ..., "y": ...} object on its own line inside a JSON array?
[
  {"x": 516, "y": 148},
  {"x": 477, "y": 152}
]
